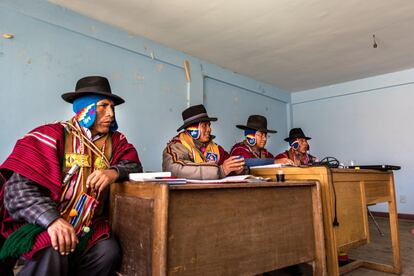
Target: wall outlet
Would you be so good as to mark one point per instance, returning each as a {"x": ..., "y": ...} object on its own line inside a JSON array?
[{"x": 403, "y": 199}]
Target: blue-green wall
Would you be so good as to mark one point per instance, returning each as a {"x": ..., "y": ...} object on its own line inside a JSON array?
[
  {"x": 368, "y": 121},
  {"x": 53, "y": 47}
]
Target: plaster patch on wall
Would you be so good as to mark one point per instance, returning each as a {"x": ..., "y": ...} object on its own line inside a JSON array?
[
  {"x": 166, "y": 88},
  {"x": 1, "y": 54},
  {"x": 160, "y": 67},
  {"x": 22, "y": 55},
  {"x": 236, "y": 99},
  {"x": 116, "y": 76},
  {"x": 93, "y": 29},
  {"x": 29, "y": 61},
  {"x": 138, "y": 76}
]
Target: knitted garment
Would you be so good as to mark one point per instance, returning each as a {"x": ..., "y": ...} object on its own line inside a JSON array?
[{"x": 21, "y": 241}]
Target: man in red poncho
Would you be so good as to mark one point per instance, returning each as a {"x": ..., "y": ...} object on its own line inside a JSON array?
[{"x": 54, "y": 186}]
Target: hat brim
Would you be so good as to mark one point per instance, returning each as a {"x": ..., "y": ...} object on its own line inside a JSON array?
[
  {"x": 289, "y": 138},
  {"x": 260, "y": 129},
  {"x": 198, "y": 120},
  {"x": 71, "y": 96}
]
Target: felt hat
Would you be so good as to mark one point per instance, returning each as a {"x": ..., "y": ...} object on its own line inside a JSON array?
[
  {"x": 92, "y": 85},
  {"x": 296, "y": 133},
  {"x": 256, "y": 122},
  {"x": 195, "y": 114}
]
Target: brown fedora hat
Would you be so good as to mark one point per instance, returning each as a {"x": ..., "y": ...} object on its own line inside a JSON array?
[
  {"x": 256, "y": 122},
  {"x": 296, "y": 133},
  {"x": 195, "y": 114},
  {"x": 92, "y": 85}
]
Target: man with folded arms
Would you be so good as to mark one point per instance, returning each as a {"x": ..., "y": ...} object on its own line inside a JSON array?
[{"x": 193, "y": 154}]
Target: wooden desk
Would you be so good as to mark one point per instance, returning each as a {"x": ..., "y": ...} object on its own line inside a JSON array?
[
  {"x": 217, "y": 229},
  {"x": 354, "y": 190}
]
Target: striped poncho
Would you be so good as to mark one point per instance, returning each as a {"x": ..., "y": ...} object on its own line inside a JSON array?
[{"x": 38, "y": 156}]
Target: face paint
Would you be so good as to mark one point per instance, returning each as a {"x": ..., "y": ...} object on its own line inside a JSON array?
[
  {"x": 250, "y": 136},
  {"x": 86, "y": 117},
  {"x": 295, "y": 144},
  {"x": 251, "y": 139},
  {"x": 193, "y": 131}
]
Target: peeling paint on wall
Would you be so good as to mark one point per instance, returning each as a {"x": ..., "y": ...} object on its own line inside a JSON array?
[
  {"x": 22, "y": 55},
  {"x": 116, "y": 76},
  {"x": 160, "y": 67},
  {"x": 138, "y": 76}
]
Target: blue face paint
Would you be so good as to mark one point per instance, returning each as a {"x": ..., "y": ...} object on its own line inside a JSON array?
[
  {"x": 85, "y": 109},
  {"x": 294, "y": 144},
  {"x": 194, "y": 131},
  {"x": 250, "y": 136}
]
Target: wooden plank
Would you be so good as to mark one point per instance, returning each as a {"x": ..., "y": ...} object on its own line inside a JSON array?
[
  {"x": 351, "y": 214},
  {"x": 380, "y": 267},
  {"x": 377, "y": 191},
  {"x": 319, "y": 267},
  {"x": 351, "y": 266},
  {"x": 395, "y": 237},
  {"x": 158, "y": 194},
  {"x": 197, "y": 186},
  {"x": 239, "y": 231},
  {"x": 136, "y": 245}
]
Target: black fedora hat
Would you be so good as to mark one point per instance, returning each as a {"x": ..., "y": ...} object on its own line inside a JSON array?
[
  {"x": 296, "y": 133},
  {"x": 195, "y": 114},
  {"x": 92, "y": 85},
  {"x": 256, "y": 122}
]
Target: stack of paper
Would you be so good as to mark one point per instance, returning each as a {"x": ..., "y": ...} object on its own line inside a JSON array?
[
  {"x": 232, "y": 179},
  {"x": 157, "y": 177},
  {"x": 148, "y": 176}
]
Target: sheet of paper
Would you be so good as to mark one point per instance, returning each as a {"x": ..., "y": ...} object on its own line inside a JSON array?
[{"x": 148, "y": 176}]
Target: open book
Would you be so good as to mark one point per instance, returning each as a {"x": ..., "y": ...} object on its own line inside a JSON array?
[{"x": 232, "y": 179}]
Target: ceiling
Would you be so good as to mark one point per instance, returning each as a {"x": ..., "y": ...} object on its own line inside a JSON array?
[{"x": 292, "y": 44}]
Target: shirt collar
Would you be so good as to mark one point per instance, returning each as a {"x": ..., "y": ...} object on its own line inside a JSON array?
[{"x": 89, "y": 134}]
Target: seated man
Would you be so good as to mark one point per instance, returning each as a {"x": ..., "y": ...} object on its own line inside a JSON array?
[
  {"x": 298, "y": 153},
  {"x": 56, "y": 189},
  {"x": 193, "y": 154},
  {"x": 253, "y": 147}
]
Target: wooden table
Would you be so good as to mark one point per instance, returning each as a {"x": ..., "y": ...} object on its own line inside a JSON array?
[
  {"x": 217, "y": 229},
  {"x": 353, "y": 191}
]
